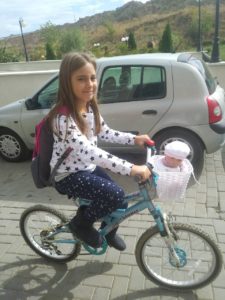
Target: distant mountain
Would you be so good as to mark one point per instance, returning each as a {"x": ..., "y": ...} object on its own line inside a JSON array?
[
  {"x": 146, "y": 20},
  {"x": 136, "y": 9}
]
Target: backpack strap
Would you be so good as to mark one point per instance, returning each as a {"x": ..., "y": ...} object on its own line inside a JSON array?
[
  {"x": 62, "y": 111},
  {"x": 59, "y": 161}
]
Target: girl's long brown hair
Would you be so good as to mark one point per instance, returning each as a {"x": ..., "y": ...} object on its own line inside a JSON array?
[{"x": 70, "y": 63}]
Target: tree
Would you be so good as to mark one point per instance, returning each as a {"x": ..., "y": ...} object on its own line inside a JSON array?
[
  {"x": 50, "y": 33},
  {"x": 131, "y": 41},
  {"x": 166, "y": 43},
  {"x": 71, "y": 39},
  {"x": 110, "y": 30},
  {"x": 51, "y": 36},
  {"x": 50, "y": 55},
  {"x": 193, "y": 27},
  {"x": 8, "y": 56}
]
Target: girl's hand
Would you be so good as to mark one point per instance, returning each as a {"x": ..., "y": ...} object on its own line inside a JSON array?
[
  {"x": 140, "y": 140},
  {"x": 142, "y": 171}
]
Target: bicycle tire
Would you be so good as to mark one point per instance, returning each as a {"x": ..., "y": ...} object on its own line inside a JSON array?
[
  {"x": 38, "y": 219},
  {"x": 203, "y": 261}
]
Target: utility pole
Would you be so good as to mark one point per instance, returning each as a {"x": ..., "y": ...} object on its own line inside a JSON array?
[
  {"x": 24, "y": 45},
  {"x": 215, "y": 57},
  {"x": 199, "y": 47}
]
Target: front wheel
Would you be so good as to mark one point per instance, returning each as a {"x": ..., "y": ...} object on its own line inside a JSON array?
[
  {"x": 38, "y": 226},
  {"x": 201, "y": 259}
]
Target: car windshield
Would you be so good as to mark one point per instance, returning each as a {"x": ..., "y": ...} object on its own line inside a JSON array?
[{"x": 204, "y": 71}]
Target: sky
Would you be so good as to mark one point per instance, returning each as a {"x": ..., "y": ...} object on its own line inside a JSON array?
[{"x": 36, "y": 13}]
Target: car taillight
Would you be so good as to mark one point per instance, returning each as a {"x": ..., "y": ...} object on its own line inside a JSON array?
[{"x": 215, "y": 112}]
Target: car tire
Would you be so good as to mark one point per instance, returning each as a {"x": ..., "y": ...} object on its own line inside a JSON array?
[
  {"x": 12, "y": 148},
  {"x": 197, "y": 153}
]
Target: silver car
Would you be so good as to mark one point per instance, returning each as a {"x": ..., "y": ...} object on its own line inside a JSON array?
[{"x": 168, "y": 96}]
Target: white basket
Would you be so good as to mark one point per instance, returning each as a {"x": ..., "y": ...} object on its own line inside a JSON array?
[{"x": 171, "y": 186}]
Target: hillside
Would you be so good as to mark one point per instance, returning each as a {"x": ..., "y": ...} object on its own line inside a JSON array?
[{"x": 147, "y": 22}]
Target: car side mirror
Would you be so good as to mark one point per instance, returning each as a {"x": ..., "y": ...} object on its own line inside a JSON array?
[{"x": 31, "y": 103}]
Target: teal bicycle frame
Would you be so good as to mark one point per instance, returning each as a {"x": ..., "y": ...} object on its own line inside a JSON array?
[
  {"x": 143, "y": 197},
  {"x": 144, "y": 201}
]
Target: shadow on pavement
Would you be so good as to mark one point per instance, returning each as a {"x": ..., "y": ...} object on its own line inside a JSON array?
[
  {"x": 38, "y": 278},
  {"x": 154, "y": 293},
  {"x": 43, "y": 280}
]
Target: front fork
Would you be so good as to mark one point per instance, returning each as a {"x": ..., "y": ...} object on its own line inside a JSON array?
[{"x": 177, "y": 256}]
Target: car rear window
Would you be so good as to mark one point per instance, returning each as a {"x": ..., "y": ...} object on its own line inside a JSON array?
[{"x": 205, "y": 72}]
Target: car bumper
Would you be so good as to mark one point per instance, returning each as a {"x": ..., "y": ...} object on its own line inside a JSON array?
[{"x": 218, "y": 127}]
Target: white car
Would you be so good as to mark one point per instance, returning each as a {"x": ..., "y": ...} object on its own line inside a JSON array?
[{"x": 168, "y": 96}]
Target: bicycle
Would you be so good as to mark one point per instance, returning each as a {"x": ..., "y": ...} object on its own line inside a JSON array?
[{"x": 173, "y": 255}]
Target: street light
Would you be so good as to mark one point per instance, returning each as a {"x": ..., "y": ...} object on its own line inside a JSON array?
[
  {"x": 215, "y": 57},
  {"x": 199, "y": 47},
  {"x": 24, "y": 45}
]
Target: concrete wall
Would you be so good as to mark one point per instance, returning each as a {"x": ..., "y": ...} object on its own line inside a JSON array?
[
  {"x": 30, "y": 66},
  {"x": 21, "y": 80},
  {"x": 18, "y": 85},
  {"x": 218, "y": 70}
]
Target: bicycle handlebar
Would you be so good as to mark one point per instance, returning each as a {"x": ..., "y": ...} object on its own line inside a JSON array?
[{"x": 151, "y": 150}]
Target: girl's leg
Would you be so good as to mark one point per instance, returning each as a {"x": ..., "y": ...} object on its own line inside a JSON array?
[
  {"x": 105, "y": 194},
  {"x": 106, "y": 197},
  {"x": 113, "y": 239}
]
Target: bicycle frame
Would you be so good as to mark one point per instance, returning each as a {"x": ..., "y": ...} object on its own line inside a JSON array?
[
  {"x": 144, "y": 202},
  {"x": 115, "y": 218}
]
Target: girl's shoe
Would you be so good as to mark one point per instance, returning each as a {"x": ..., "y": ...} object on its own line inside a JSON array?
[
  {"x": 114, "y": 240},
  {"x": 83, "y": 229}
]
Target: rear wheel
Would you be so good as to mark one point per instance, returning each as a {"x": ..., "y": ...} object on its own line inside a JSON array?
[
  {"x": 12, "y": 148},
  {"x": 196, "y": 156},
  {"x": 39, "y": 227}
]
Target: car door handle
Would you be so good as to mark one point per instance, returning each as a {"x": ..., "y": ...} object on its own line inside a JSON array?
[{"x": 149, "y": 112}]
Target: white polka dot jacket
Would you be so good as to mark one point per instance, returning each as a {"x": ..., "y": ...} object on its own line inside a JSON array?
[{"x": 86, "y": 155}]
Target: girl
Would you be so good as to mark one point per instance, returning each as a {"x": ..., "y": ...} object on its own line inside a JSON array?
[{"x": 81, "y": 174}]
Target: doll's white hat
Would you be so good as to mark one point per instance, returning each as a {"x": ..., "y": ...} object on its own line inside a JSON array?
[{"x": 177, "y": 149}]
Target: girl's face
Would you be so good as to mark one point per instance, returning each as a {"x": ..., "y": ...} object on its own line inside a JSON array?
[{"x": 84, "y": 84}]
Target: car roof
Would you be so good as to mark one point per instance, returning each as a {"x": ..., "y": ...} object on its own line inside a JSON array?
[{"x": 166, "y": 57}]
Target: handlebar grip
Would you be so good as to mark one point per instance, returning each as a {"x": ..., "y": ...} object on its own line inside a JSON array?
[{"x": 150, "y": 143}]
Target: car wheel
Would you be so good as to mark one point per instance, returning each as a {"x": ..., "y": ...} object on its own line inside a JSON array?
[
  {"x": 12, "y": 148},
  {"x": 196, "y": 156}
]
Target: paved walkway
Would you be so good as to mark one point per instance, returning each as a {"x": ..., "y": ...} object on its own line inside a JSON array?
[{"x": 115, "y": 275}]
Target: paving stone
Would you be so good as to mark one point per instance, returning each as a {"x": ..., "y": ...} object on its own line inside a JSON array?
[
  {"x": 219, "y": 226},
  {"x": 205, "y": 293},
  {"x": 99, "y": 281},
  {"x": 127, "y": 259},
  {"x": 114, "y": 275},
  {"x": 119, "y": 270},
  {"x": 201, "y": 211},
  {"x": 137, "y": 279},
  {"x": 218, "y": 293},
  {"x": 101, "y": 293},
  {"x": 119, "y": 289},
  {"x": 222, "y": 201}
]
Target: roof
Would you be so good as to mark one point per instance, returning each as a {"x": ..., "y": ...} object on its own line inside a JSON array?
[{"x": 155, "y": 56}]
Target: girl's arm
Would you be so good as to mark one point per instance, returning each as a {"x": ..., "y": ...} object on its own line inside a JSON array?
[
  {"x": 114, "y": 136},
  {"x": 87, "y": 151}
]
